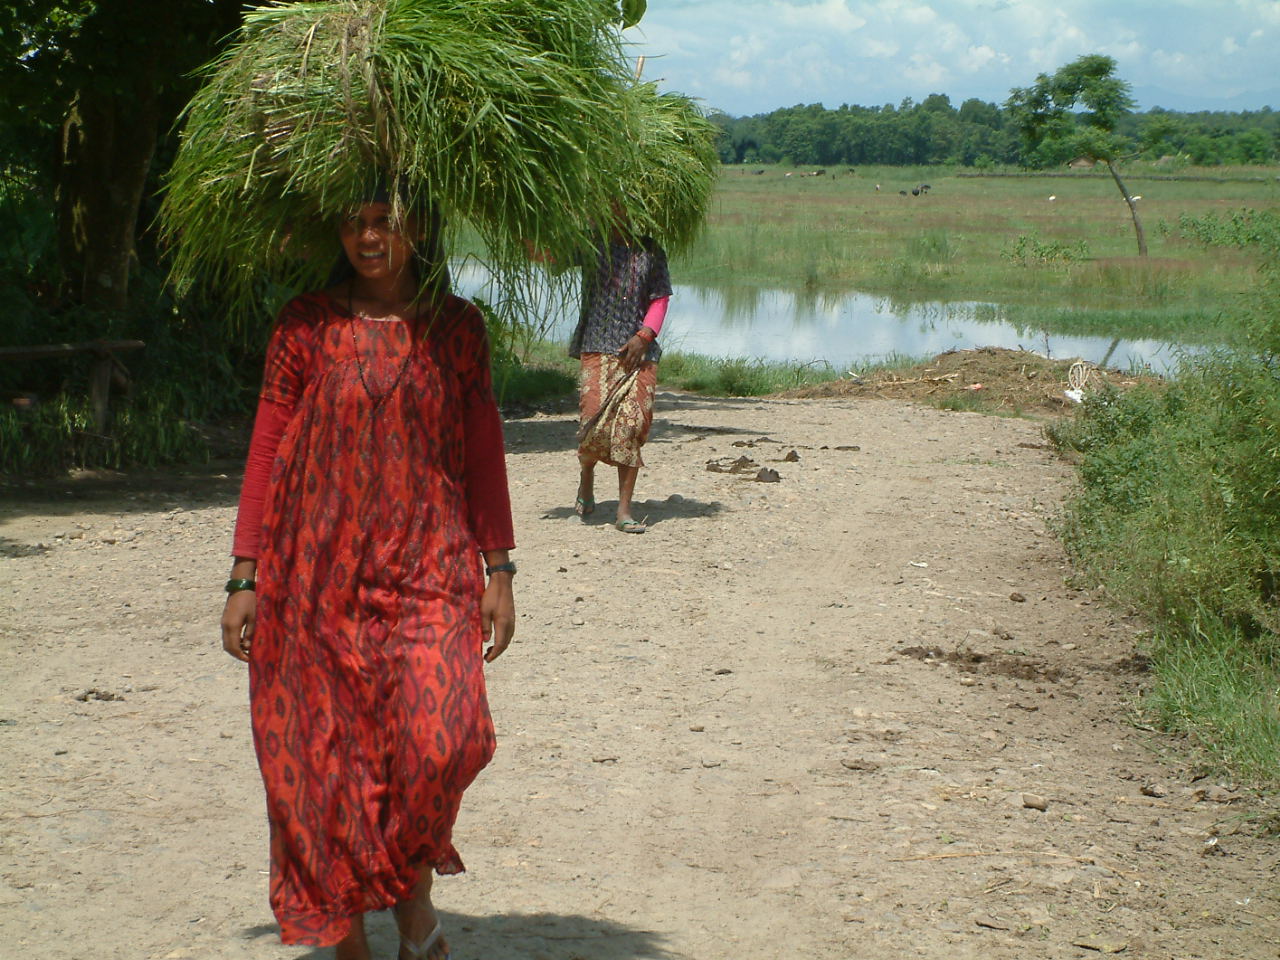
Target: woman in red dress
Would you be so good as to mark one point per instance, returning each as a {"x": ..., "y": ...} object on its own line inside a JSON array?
[{"x": 375, "y": 492}]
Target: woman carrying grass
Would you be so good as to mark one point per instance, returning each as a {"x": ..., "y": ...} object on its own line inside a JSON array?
[
  {"x": 374, "y": 488},
  {"x": 625, "y": 290}
]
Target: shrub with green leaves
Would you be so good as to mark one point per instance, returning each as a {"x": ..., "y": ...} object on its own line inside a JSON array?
[
  {"x": 1029, "y": 250},
  {"x": 1179, "y": 506},
  {"x": 1178, "y": 515}
]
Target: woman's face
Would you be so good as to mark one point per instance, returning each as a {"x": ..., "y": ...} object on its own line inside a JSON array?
[{"x": 376, "y": 247}]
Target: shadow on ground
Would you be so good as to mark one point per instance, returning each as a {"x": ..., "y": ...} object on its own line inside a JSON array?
[
  {"x": 513, "y": 937},
  {"x": 550, "y": 436},
  {"x": 650, "y": 512},
  {"x": 215, "y": 484}
]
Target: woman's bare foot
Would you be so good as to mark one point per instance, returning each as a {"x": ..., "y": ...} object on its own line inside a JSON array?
[
  {"x": 418, "y": 924},
  {"x": 353, "y": 946}
]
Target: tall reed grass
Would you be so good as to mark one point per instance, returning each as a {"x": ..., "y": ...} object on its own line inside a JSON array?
[{"x": 838, "y": 232}]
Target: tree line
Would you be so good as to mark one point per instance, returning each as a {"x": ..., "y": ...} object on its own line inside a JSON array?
[{"x": 981, "y": 134}]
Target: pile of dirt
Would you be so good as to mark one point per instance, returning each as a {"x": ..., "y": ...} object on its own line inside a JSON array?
[{"x": 988, "y": 379}]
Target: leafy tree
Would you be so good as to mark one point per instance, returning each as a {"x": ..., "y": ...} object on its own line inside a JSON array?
[
  {"x": 92, "y": 87},
  {"x": 1253, "y": 146},
  {"x": 1045, "y": 114},
  {"x": 1163, "y": 134},
  {"x": 980, "y": 112},
  {"x": 938, "y": 103},
  {"x": 981, "y": 134}
]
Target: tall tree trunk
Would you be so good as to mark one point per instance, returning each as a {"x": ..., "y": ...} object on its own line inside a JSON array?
[
  {"x": 108, "y": 141},
  {"x": 1133, "y": 209}
]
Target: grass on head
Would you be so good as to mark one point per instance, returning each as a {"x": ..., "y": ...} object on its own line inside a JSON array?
[{"x": 520, "y": 118}]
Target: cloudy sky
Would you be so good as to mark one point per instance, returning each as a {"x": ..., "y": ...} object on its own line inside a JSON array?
[{"x": 751, "y": 56}]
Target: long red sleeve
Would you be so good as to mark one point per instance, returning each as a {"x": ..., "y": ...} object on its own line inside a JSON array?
[
  {"x": 488, "y": 499},
  {"x": 268, "y": 427}
]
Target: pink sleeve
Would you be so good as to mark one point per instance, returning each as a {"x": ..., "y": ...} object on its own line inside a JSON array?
[
  {"x": 657, "y": 313},
  {"x": 268, "y": 428}
]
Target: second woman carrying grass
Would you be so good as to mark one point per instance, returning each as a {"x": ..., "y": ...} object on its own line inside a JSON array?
[{"x": 625, "y": 290}]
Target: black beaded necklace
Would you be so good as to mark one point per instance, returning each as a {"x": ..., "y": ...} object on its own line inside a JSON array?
[{"x": 377, "y": 398}]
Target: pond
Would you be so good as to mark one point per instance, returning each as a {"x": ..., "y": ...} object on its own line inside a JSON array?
[{"x": 847, "y": 330}]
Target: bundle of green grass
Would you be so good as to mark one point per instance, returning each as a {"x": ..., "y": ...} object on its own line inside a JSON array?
[{"x": 519, "y": 117}]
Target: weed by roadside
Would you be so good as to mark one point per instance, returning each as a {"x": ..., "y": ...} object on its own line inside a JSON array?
[{"x": 1178, "y": 515}]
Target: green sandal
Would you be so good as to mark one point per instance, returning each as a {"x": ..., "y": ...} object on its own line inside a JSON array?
[
  {"x": 582, "y": 507},
  {"x": 631, "y": 526}
]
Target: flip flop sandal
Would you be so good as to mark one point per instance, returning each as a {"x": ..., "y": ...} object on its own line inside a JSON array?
[
  {"x": 631, "y": 526},
  {"x": 419, "y": 951},
  {"x": 582, "y": 506}
]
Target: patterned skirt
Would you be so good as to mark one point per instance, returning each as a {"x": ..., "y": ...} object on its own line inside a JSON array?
[{"x": 616, "y": 409}]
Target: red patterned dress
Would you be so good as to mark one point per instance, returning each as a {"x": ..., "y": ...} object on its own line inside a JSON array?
[{"x": 366, "y": 681}]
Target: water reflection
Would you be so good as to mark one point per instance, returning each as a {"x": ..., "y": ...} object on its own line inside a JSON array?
[{"x": 847, "y": 330}]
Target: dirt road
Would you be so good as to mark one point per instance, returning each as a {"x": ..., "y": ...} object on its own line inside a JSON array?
[{"x": 856, "y": 713}]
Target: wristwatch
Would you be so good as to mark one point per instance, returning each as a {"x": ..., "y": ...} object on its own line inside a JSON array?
[{"x": 508, "y": 567}]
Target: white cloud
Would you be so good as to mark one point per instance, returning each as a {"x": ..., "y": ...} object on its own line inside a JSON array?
[
  {"x": 926, "y": 71},
  {"x": 979, "y": 58},
  {"x": 739, "y": 69},
  {"x": 826, "y": 14},
  {"x": 879, "y": 49},
  {"x": 909, "y": 14},
  {"x": 750, "y": 56},
  {"x": 1267, "y": 11},
  {"x": 1124, "y": 52}
]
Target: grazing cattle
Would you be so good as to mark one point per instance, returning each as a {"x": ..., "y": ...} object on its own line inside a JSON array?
[
  {"x": 915, "y": 191},
  {"x": 756, "y": 173},
  {"x": 902, "y": 193},
  {"x": 818, "y": 173}
]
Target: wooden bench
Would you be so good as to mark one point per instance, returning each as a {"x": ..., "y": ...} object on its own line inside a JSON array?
[{"x": 107, "y": 368}]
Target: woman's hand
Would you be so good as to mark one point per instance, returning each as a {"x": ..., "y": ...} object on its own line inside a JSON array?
[
  {"x": 237, "y": 623},
  {"x": 498, "y": 614},
  {"x": 632, "y": 352}
]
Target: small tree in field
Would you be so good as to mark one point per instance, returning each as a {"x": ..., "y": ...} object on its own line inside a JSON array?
[{"x": 1074, "y": 113}]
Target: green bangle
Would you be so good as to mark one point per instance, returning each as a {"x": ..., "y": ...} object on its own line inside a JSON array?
[
  {"x": 508, "y": 567},
  {"x": 240, "y": 583}
]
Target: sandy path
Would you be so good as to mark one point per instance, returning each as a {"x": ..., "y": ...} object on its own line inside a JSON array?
[{"x": 711, "y": 744}]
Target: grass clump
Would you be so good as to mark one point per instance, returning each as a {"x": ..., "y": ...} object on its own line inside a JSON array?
[
  {"x": 1029, "y": 250},
  {"x": 734, "y": 377},
  {"x": 59, "y": 434}
]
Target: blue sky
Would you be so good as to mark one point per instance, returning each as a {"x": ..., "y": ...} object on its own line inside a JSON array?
[{"x": 752, "y": 56}]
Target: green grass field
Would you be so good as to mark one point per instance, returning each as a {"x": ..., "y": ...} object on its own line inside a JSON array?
[{"x": 1067, "y": 264}]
